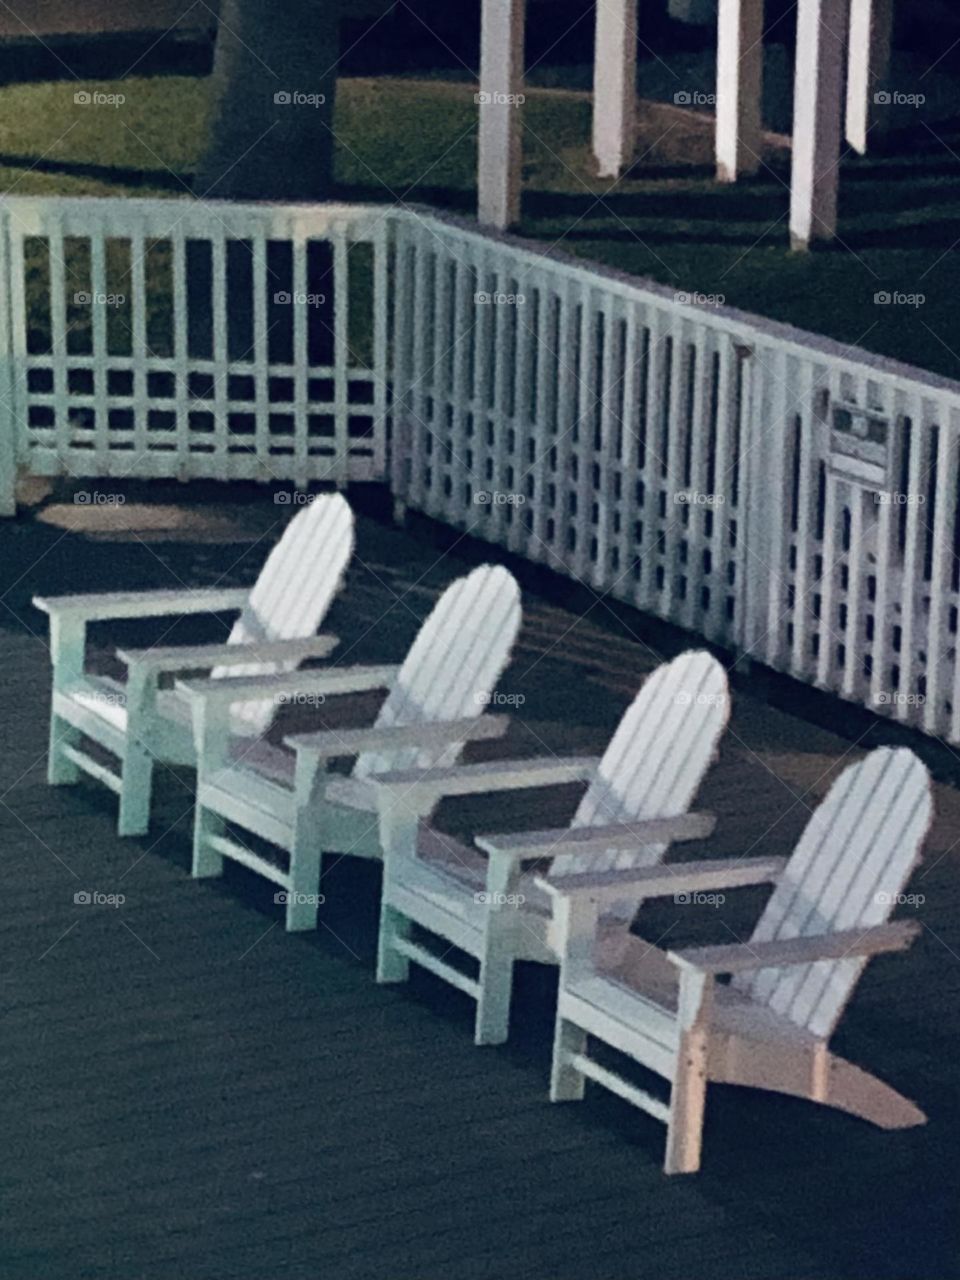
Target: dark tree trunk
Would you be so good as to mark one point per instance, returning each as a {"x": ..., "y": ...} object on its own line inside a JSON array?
[{"x": 274, "y": 84}]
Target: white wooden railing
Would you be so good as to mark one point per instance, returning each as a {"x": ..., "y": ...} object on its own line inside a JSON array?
[
  {"x": 174, "y": 338},
  {"x": 786, "y": 497},
  {"x": 789, "y": 498}
]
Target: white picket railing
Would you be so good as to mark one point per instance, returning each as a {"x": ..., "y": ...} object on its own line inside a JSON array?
[
  {"x": 174, "y": 338},
  {"x": 786, "y": 497}
]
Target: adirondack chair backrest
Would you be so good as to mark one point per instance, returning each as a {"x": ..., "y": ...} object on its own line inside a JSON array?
[
  {"x": 292, "y": 594},
  {"x": 657, "y": 758},
  {"x": 453, "y": 665},
  {"x": 853, "y": 860}
]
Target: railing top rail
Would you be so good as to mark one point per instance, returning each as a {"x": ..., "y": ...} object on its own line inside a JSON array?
[{"x": 744, "y": 325}]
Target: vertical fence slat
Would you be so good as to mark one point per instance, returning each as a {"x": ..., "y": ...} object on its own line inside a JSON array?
[
  {"x": 261, "y": 362},
  {"x": 381, "y": 343},
  {"x": 340, "y": 467},
  {"x": 302, "y": 463},
  {"x": 768, "y": 530},
  {"x": 939, "y": 639},
  {"x": 11, "y": 432},
  {"x": 58, "y": 337},
  {"x": 913, "y": 555}
]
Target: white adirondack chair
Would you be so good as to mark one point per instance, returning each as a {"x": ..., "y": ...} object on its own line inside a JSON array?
[
  {"x": 636, "y": 804},
  {"x": 770, "y": 1027},
  {"x": 287, "y": 797},
  {"x": 142, "y": 724}
]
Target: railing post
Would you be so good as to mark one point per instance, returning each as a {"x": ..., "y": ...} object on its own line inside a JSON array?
[
  {"x": 739, "y": 88},
  {"x": 9, "y": 418},
  {"x": 871, "y": 25},
  {"x": 817, "y": 120},
  {"x": 501, "y": 91},
  {"x": 615, "y": 87}
]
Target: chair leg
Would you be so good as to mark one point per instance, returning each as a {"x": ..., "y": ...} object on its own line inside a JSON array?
[
  {"x": 61, "y": 772},
  {"x": 687, "y": 1101},
  {"x": 206, "y": 861},
  {"x": 492, "y": 1025},
  {"x": 394, "y": 926},
  {"x": 304, "y": 884},
  {"x": 136, "y": 788},
  {"x": 567, "y": 1084}
]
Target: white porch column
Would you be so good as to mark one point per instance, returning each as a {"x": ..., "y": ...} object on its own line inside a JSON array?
[
  {"x": 739, "y": 87},
  {"x": 501, "y": 92},
  {"x": 615, "y": 87},
  {"x": 871, "y": 29},
  {"x": 817, "y": 119}
]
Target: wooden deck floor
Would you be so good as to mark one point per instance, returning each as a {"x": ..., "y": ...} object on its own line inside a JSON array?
[{"x": 188, "y": 1092}]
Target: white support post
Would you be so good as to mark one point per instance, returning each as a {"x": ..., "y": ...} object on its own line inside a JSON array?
[
  {"x": 739, "y": 88},
  {"x": 9, "y": 418},
  {"x": 501, "y": 95},
  {"x": 871, "y": 29},
  {"x": 615, "y": 86},
  {"x": 817, "y": 120}
]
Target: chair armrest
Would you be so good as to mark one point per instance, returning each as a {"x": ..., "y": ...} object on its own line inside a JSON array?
[
  {"x": 740, "y": 957},
  {"x": 186, "y": 657},
  {"x": 676, "y": 878},
  {"x": 586, "y": 841},
  {"x": 329, "y": 682},
  {"x": 430, "y": 785},
  {"x": 437, "y": 733},
  {"x": 144, "y": 604}
]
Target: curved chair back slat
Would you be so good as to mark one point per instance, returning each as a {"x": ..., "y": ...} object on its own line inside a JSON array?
[
  {"x": 853, "y": 860},
  {"x": 292, "y": 594},
  {"x": 657, "y": 758},
  {"x": 453, "y": 665}
]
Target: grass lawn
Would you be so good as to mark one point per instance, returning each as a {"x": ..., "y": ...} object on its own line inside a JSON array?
[{"x": 415, "y": 140}]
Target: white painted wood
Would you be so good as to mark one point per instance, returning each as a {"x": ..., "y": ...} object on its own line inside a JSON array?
[
  {"x": 637, "y": 802},
  {"x": 770, "y": 1028},
  {"x": 499, "y": 178},
  {"x": 739, "y": 88},
  {"x": 817, "y": 119},
  {"x": 615, "y": 87},
  {"x": 287, "y": 603},
  {"x": 868, "y": 66},
  {"x": 434, "y": 705},
  {"x": 851, "y": 863}
]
